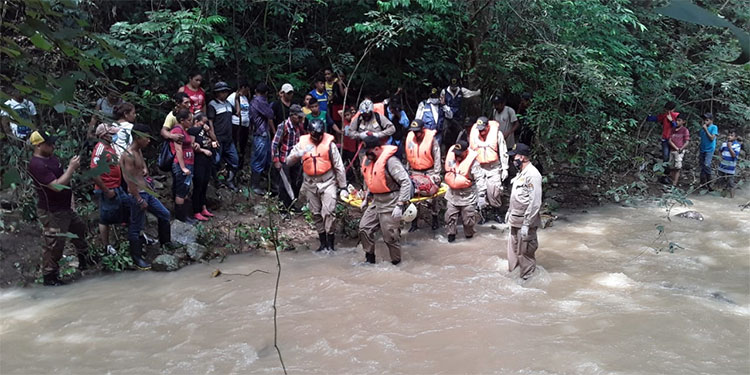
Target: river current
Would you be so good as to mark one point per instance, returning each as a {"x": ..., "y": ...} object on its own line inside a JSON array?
[{"x": 602, "y": 302}]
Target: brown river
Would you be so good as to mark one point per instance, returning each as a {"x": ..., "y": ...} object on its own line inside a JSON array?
[{"x": 603, "y": 302}]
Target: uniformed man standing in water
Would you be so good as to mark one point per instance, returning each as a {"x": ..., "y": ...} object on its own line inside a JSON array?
[
  {"x": 423, "y": 159},
  {"x": 463, "y": 176},
  {"x": 523, "y": 216},
  {"x": 323, "y": 172},
  {"x": 386, "y": 179}
]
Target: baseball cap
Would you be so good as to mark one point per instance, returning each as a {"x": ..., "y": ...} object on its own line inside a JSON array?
[
  {"x": 416, "y": 125},
  {"x": 481, "y": 123},
  {"x": 497, "y": 99},
  {"x": 366, "y": 106},
  {"x": 103, "y": 129},
  {"x": 434, "y": 92},
  {"x": 221, "y": 86},
  {"x": 708, "y": 116},
  {"x": 287, "y": 88},
  {"x": 38, "y": 138},
  {"x": 296, "y": 109},
  {"x": 520, "y": 149},
  {"x": 460, "y": 147}
]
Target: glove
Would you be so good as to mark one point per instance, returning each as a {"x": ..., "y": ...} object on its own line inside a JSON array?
[
  {"x": 397, "y": 212},
  {"x": 343, "y": 194},
  {"x": 524, "y": 231},
  {"x": 436, "y": 180},
  {"x": 504, "y": 175}
]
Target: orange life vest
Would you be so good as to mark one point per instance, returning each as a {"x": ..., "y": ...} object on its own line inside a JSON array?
[
  {"x": 375, "y": 173},
  {"x": 419, "y": 155},
  {"x": 317, "y": 161},
  {"x": 379, "y": 108},
  {"x": 486, "y": 149},
  {"x": 459, "y": 176}
]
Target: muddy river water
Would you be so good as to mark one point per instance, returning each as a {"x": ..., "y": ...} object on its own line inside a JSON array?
[{"x": 604, "y": 302}]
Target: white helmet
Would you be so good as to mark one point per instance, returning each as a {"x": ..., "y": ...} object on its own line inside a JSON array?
[{"x": 410, "y": 214}]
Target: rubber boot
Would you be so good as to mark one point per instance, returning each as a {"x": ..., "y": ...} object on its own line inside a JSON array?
[
  {"x": 52, "y": 279},
  {"x": 370, "y": 258},
  {"x": 414, "y": 226},
  {"x": 136, "y": 250},
  {"x": 323, "y": 241},
  {"x": 496, "y": 215},
  {"x": 435, "y": 223},
  {"x": 230, "y": 181},
  {"x": 395, "y": 262},
  {"x": 83, "y": 262},
  {"x": 255, "y": 184},
  {"x": 451, "y": 237},
  {"x": 182, "y": 215},
  {"x": 165, "y": 234},
  {"x": 331, "y": 240}
]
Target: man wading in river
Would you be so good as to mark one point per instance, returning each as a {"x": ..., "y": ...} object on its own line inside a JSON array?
[
  {"x": 324, "y": 170},
  {"x": 390, "y": 186},
  {"x": 523, "y": 214}
]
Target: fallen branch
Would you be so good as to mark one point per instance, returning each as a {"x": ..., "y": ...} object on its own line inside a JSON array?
[{"x": 217, "y": 272}]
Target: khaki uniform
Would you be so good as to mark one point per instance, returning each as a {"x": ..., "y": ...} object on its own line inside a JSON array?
[
  {"x": 463, "y": 202},
  {"x": 493, "y": 175},
  {"x": 321, "y": 191},
  {"x": 525, "y": 204},
  {"x": 360, "y": 127},
  {"x": 431, "y": 173},
  {"x": 378, "y": 214}
]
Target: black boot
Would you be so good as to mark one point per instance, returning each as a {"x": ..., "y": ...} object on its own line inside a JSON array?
[
  {"x": 497, "y": 217},
  {"x": 230, "y": 181},
  {"x": 323, "y": 241},
  {"x": 331, "y": 240},
  {"x": 51, "y": 279},
  {"x": 181, "y": 214},
  {"x": 370, "y": 258},
  {"x": 395, "y": 262},
  {"x": 136, "y": 250},
  {"x": 165, "y": 233},
  {"x": 435, "y": 224},
  {"x": 414, "y": 226},
  {"x": 255, "y": 184},
  {"x": 84, "y": 262},
  {"x": 451, "y": 237}
]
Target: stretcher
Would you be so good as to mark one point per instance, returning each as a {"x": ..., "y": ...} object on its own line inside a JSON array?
[{"x": 354, "y": 200}]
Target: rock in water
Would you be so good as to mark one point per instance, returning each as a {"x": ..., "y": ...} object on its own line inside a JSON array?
[
  {"x": 695, "y": 215},
  {"x": 183, "y": 233},
  {"x": 196, "y": 251},
  {"x": 165, "y": 262}
]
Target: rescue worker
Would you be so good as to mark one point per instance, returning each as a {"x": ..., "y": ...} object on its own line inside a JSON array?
[
  {"x": 423, "y": 159},
  {"x": 452, "y": 96},
  {"x": 433, "y": 113},
  {"x": 463, "y": 177},
  {"x": 389, "y": 184},
  {"x": 487, "y": 141},
  {"x": 523, "y": 214},
  {"x": 371, "y": 123},
  {"x": 323, "y": 173}
]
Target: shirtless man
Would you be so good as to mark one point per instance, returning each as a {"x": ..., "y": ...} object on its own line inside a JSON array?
[{"x": 135, "y": 172}]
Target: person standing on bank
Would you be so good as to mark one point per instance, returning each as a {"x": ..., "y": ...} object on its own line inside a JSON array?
[
  {"x": 220, "y": 121},
  {"x": 287, "y": 136},
  {"x": 452, "y": 96},
  {"x": 182, "y": 165},
  {"x": 261, "y": 119},
  {"x": 55, "y": 205},
  {"x": 389, "y": 184},
  {"x": 240, "y": 119},
  {"x": 463, "y": 177},
  {"x": 487, "y": 141},
  {"x": 323, "y": 173},
  {"x": 708, "y": 134},
  {"x": 195, "y": 92},
  {"x": 524, "y": 212},
  {"x": 113, "y": 200},
  {"x": 423, "y": 159},
  {"x": 202, "y": 166},
  {"x": 678, "y": 143},
  {"x": 181, "y": 100}
]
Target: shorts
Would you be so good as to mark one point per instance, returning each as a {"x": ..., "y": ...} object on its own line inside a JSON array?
[
  {"x": 180, "y": 181},
  {"x": 112, "y": 210},
  {"x": 675, "y": 159},
  {"x": 727, "y": 180}
]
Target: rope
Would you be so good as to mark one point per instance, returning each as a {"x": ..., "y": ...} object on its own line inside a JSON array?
[{"x": 355, "y": 157}]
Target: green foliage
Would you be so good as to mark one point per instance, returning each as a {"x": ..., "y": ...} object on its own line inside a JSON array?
[{"x": 116, "y": 261}]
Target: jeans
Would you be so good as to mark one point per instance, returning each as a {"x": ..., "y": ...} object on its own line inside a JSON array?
[
  {"x": 704, "y": 159},
  {"x": 228, "y": 153},
  {"x": 261, "y": 157},
  {"x": 113, "y": 210},
  {"x": 665, "y": 149},
  {"x": 138, "y": 216}
]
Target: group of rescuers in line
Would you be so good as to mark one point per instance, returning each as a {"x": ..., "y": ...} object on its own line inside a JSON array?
[{"x": 475, "y": 168}]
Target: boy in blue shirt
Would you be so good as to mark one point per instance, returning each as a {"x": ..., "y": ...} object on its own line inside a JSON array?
[
  {"x": 708, "y": 134},
  {"x": 730, "y": 152}
]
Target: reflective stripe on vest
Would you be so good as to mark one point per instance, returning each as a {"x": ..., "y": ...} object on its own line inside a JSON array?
[
  {"x": 375, "y": 173},
  {"x": 419, "y": 155},
  {"x": 486, "y": 150},
  {"x": 459, "y": 177},
  {"x": 317, "y": 161},
  {"x": 454, "y": 102}
]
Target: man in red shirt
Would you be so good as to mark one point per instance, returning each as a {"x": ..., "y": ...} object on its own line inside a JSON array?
[
  {"x": 107, "y": 183},
  {"x": 678, "y": 143}
]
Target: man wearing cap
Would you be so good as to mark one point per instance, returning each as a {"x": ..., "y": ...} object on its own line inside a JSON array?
[
  {"x": 54, "y": 206},
  {"x": 139, "y": 185},
  {"x": 113, "y": 200},
  {"x": 463, "y": 177},
  {"x": 708, "y": 134},
  {"x": 487, "y": 141},
  {"x": 523, "y": 213},
  {"x": 423, "y": 163},
  {"x": 219, "y": 113},
  {"x": 287, "y": 135},
  {"x": 371, "y": 123},
  {"x": 261, "y": 119},
  {"x": 432, "y": 113},
  {"x": 389, "y": 184},
  {"x": 452, "y": 96},
  {"x": 281, "y": 106},
  {"x": 323, "y": 173}
]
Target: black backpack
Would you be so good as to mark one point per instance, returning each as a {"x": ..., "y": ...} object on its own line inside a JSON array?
[{"x": 166, "y": 157}]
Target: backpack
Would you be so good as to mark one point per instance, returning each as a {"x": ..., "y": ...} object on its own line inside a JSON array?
[{"x": 166, "y": 157}]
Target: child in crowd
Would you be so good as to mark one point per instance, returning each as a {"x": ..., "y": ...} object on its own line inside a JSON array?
[
  {"x": 350, "y": 144},
  {"x": 203, "y": 165},
  {"x": 730, "y": 152}
]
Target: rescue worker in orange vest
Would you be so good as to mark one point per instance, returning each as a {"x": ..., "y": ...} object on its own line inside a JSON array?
[
  {"x": 488, "y": 142},
  {"x": 371, "y": 122},
  {"x": 463, "y": 177},
  {"x": 323, "y": 171},
  {"x": 390, "y": 187},
  {"x": 423, "y": 158},
  {"x": 524, "y": 212}
]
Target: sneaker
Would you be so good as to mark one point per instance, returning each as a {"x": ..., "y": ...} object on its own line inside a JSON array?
[
  {"x": 200, "y": 217},
  {"x": 111, "y": 250},
  {"x": 148, "y": 241}
]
